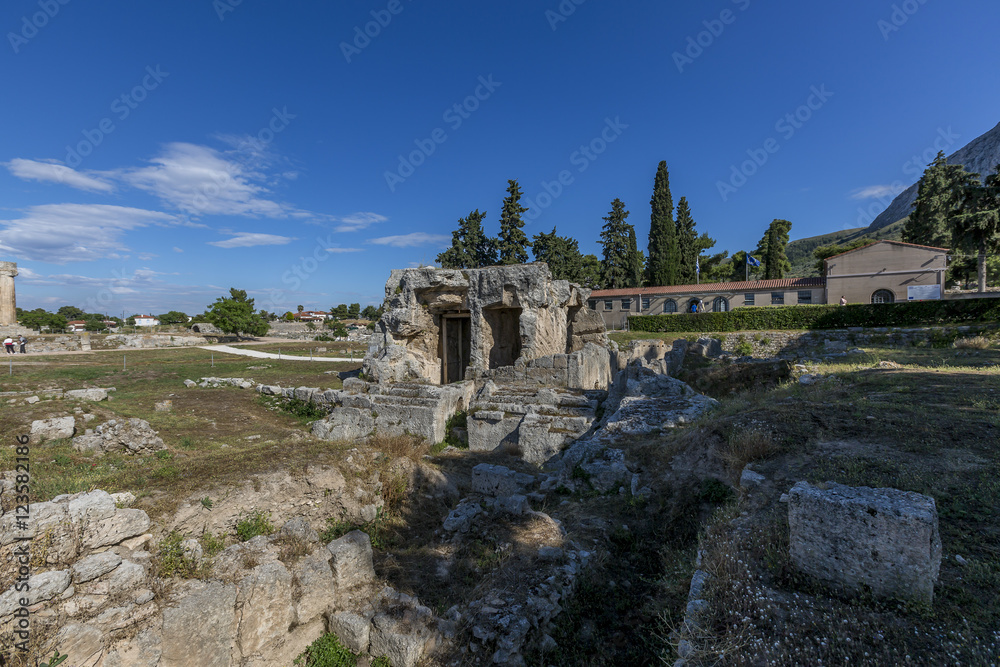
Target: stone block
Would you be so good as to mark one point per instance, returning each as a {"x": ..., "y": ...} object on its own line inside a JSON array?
[
  {"x": 401, "y": 641},
  {"x": 352, "y": 630},
  {"x": 94, "y": 566},
  {"x": 92, "y": 394},
  {"x": 493, "y": 480},
  {"x": 854, "y": 537},
  {"x": 199, "y": 629},
  {"x": 313, "y": 579},
  {"x": 56, "y": 428},
  {"x": 352, "y": 560},
  {"x": 264, "y": 606},
  {"x": 489, "y": 429}
]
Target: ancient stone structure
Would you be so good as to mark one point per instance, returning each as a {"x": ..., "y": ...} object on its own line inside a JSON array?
[
  {"x": 856, "y": 537},
  {"x": 8, "y": 303},
  {"x": 443, "y": 326}
]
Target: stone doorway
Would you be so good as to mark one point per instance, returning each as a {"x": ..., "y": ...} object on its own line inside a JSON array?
[
  {"x": 502, "y": 336},
  {"x": 456, "y": 345}
]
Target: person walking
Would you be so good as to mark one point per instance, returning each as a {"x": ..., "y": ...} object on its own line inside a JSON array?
[
  {"x": 843, "y": 301},
  {"x": 23, "y": 341},
  {"x": 8, "y": 345}
]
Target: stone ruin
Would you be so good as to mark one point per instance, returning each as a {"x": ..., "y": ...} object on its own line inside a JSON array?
[{"x": 518, "y": 351}]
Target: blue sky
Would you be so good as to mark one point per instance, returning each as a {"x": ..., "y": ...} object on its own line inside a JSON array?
[{"x": 156, "y": 154}]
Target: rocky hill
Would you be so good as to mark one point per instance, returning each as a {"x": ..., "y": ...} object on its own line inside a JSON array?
[{"x": 981, "y": 155}]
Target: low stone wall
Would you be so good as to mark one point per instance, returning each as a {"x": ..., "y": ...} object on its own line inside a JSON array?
[{"x": 794, "y": 344}]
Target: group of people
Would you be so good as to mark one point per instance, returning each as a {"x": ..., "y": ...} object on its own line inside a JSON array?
[
  {"x": 698, "y": 306},
  {"x": 8, "y": 344}
]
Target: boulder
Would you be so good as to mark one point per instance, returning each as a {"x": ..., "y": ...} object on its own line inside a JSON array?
[
  {"x": 313, "y": 579},
  {"x": 92, "y": 394},
  {"x": 494, "y": 480},
  {"x": 94, "y": 566},
  {"x": 857, "y": 537},
  {"x": 345, "y": 424},
  {"x": 132, "y": 436},
  {"x": 264, "y": 606},
  {"x": 57, "y": 428},
  {"x": 400, "y": 639},
  {"x": 352, "y": 630}
]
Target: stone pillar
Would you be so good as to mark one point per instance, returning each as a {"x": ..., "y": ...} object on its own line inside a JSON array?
[{"x": 8, "y": 305}]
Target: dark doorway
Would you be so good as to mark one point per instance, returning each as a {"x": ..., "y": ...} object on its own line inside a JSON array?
[
  {"x": 502, "y": 335},
  {"x": 456, "y": 341}
]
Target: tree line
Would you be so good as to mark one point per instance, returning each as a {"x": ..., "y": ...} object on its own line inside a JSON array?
[{"x": 676, "y": 252}]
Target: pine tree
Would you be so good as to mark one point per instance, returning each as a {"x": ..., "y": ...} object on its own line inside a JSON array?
[
  {"x": 622, "y": 264},
  {"x": 470, "y": 247},
  {"x": 771, "y": 250},
  {"x": 664, "y": 251},
  {"x": 689, "y": 249},
  {"x": 561, "y": 253},
  {"x": 512, "y": 241},
  {"x": 977, "y": 224},
  {"x": 940, "y": 195}
]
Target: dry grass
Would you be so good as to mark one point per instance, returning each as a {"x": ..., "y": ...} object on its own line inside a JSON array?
[
  {"x": 746, "y": 446},
  {"x": 973, "y": 343}
]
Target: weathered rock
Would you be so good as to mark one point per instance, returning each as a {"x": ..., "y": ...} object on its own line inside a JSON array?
[
  {"x": 299, "y": 528},
  {"x": 133, "y": 436},
  {"x": 83, "y": 643},
  {"x": 345, "y": 424},
  {"x": 93, "y": 394},
  {"x": 199, "y": 628},
  {"x": 352, "y": 560},
  {"x": 352, "y": 630},
  {"x": 264, "y": 606},
  {"x": 121, "y": 525},
  {"x": 41, "y": 587},
  {"x": 312, "y": 578},
  {"x": 885, "y": 539},
  {"x": 401, "y": 640},
  {"x": 57, "y": 428},
  {"x": 94, "y": 566},
  {"x": 494, "y": 480},
  {"x": 143, "y": 650}
]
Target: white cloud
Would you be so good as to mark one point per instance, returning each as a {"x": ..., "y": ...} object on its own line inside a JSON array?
[
  {"x": 875, "y": 192},
  {"x": 414, "y": 239},
  {"x": 248, "y": 240},
  {"x": 340, "y": 250},
  {"x": 358, "y": 221},
  {"x": 52, "y": 171},
  {"x": 61, "y": 233},
  {"x": 176, "y": 249},
  {"x": 202, "y": 181}
]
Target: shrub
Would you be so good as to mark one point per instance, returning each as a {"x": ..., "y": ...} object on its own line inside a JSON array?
[
  {"x": 970, "y": 343},
  {"x": 915, "y": 313},
  {"x": 171, "y": 561},
  {"x": 327, "y": 651},
  {"x": 255, "y": 523},
  {"x": 744, "y": 348}
]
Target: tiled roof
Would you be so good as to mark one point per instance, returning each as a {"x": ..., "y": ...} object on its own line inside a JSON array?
[
  {"x": 742, "y": 286},
  {"x": 908, "y": 245}
]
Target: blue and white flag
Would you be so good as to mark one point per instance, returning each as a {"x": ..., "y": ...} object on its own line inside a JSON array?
[
  {"x": 697, "y": 265},
  {"x": 752, "y": 261}
]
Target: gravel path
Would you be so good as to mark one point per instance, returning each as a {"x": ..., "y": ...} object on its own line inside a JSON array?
[{"x": 268, "y": 355}]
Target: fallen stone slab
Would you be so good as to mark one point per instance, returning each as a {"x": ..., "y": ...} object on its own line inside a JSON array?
[
  {"x": 57, "y": 428},
  {"x": 856, "y": 537}
]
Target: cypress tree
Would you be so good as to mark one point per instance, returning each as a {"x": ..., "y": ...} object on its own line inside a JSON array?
[
  {"x": 664, "y": 251},
  {"x": 622, "y": 264},
  {"x": 689, "y": 248},
  {"x": 939, "y": 197},
  {"x": 512, "y": 242},
  {"x": 771, "y": 250},
  {"x": 977, "y": 224}
]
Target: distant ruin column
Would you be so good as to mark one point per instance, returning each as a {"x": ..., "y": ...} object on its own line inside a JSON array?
[{"x": 8, "y": 305}]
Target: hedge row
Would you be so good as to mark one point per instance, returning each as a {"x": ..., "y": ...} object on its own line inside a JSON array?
[{"x": 904, "y": 314}]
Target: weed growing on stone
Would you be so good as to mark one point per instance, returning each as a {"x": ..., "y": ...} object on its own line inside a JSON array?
[
  {"x": 254, "y": 523},
  {"x": 171, "y": 560},
  {"x": 327, "y": 651}
]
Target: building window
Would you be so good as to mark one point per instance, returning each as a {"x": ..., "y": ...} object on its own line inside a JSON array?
[
  {"x": 670, "y": 306},
  {"x": 720, "y": 305},
  {"x": 806, "y": 296},
  {"x": 592, "y": 304},
  {"x": 609, "y": 305},
  {"x": 883, "y": 296},
  {"x": 748, "y": 299},
  {"x": 646, "y": 302},
  {"x": 777, "y": 298},
  {"x": 626, "y": 304}
]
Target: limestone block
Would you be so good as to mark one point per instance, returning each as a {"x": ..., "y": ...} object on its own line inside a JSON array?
[
  {"x": 399, "y": 639},
  {"x": 123, "y": 524},
  {"x": 489, "y": 429},
  {"x": 82, "y": 642},
  {"x": 352, "y": 630},
  {"x": 345, "y": 424},
  {"x": 264, "y": 605},
  {"x": 313, "y": 579},
  {"x": 199, "y": 627},
  {"x": 885, "y": 539},
  {"x": 132, "y": 436},
  {"x": 41, "y": 587},
  {"x": 92, "y": 394},
  {"x": 56, "y": 428},
  {"x": 352, "y": 560},
  {"x": 299, "y": 528},
  {"x": 494, "y": 480},
  {"x": 143, "y": 650},
  {"x": 89, "y": 508},
  {"x": 94, "y": 566}
]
